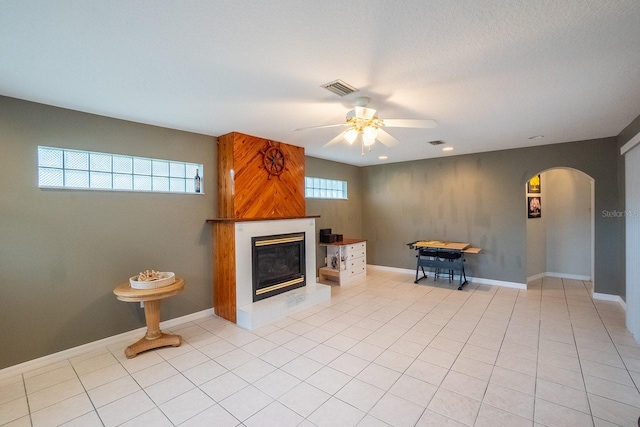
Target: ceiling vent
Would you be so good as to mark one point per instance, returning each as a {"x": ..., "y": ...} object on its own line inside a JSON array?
[
  {"x": 438, "y": 142},
  {"x": 339, "y": 87}
]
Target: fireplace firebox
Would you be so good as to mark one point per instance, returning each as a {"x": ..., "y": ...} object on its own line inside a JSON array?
[{"x": 278, "y": 264}]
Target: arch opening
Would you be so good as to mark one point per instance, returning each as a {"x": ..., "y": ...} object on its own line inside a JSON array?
[{"x": 560, "y": 239}]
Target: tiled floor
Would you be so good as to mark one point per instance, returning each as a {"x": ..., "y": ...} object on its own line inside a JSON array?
[{"x": 381, "y": 352}]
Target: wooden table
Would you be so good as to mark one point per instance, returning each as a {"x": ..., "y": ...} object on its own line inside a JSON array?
[
  {"x": 151, "y": 298},
  {"x": 451, "y": 263}
]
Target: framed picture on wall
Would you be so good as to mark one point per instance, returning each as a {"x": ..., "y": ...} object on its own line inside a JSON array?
[
  {"x": 533, "y": 186},
  {"x": 534, "y": 207}
]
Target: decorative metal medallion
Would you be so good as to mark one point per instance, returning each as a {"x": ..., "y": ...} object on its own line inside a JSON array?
[{"x": 273, "y": 160}]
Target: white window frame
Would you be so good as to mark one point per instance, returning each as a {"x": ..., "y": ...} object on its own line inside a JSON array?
[
  {"x": 323, "y": 188},
  {"x": 69, "y": 169}
]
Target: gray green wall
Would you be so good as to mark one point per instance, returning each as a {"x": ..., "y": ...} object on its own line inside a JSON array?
[
  {"x": 567, "y": 206},
  {"x": 341, "y": 216},
  {"x": 62, "y": 252},
  {"x": 478, "y": 199}
]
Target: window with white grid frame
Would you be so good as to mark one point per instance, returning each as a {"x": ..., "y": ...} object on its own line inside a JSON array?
[
  {"x": 321, "y": 188},
  {"x": 76, "y": 169}
]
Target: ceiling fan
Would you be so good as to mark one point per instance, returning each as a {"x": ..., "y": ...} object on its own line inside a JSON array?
[{"x": 362, "y": 124}]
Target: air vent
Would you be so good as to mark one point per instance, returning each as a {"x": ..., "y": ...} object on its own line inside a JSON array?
[
  {"x": 438, "y": 142},
  {"x": 339, "y": 87}
]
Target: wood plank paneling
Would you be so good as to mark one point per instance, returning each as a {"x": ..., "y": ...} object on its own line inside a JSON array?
[
  {"x": 224, "y": 270},
  {"x": 246, "y": 190},
  {"x": 225, "y": 176}
]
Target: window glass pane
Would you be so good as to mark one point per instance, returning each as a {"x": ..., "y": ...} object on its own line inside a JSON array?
[
  {"x": 176, "y": 170},
  {"x": 325, "y": 188},
  {"x": 122, "y": 164},
  {"x": 100, "y": 162},
  {"x": 100, "y": 180},
  {"x": 160, "y": 168},
  {"x": 141, "y": 182},
  {"x": 49, "y": 157},
  {"x": 50, "y": 177},
  {"x": 160, "y": 183},
  {"x": 76, "y": 160},
  {"x": 76, "y": 179},
  {"x": 142, "y": 166},
  {"x": 61, "y": 168},
  {"x": 177, "y": 185},
  {"x": 190, "y": 170},
  {"x": 122, "y": 182}
]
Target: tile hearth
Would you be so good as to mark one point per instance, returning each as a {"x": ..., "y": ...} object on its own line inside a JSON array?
[{"x": 382, "y": 351}]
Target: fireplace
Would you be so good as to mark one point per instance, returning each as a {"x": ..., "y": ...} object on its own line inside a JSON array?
[{"x": 278, "y": 264}]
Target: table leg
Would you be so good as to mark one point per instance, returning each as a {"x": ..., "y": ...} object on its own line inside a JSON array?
[{"x": 154, "y": 337}]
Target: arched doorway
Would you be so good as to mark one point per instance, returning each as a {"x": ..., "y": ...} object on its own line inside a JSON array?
[{"x": 560, "y": 237}]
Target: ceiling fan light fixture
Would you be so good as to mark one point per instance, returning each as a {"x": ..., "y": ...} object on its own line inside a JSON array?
[
  {"x": 370, "y": 133},
  {"x": 367, "y": 141},
  {"x": 351, "y": 135}
]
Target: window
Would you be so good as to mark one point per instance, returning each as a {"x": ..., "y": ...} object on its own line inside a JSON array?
[
  {"x": 321, "y": 188},
  {"x": 75, "y": 169}
]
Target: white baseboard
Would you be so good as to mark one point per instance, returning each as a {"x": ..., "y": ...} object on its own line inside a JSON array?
[
  {"x": 392, "y": 269},
  {"x": 559, "y": 275},
  {"x": 536, "y": 277},
  {"x": 502, "y": 283},
  {"x": 479, "y": 280},
  {"x": 569, "y": 276},
  {"x": 95, "y": 345},
  {"x": 610, "y": 297}
]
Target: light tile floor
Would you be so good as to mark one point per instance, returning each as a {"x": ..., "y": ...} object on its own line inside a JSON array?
[{"x": 381, "y": 352}]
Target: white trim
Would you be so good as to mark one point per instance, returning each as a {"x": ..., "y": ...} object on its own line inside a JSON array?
[
  {"x": 536, "y": 277},
  {"x": 629, "y": 145},
  {"x": 559, "y": 275},
  {"x": 479, "y": 280},
  {"x": 501, "y": 283},
  {"x": 392, "y": 269},
  {"x": 95, "y": 345},
  {"x": 569, "y": 276},
  {"x": 610, "y": 297}
]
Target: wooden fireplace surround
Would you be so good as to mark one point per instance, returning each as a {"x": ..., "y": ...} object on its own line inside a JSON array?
[{"x": 258, "y": 180}]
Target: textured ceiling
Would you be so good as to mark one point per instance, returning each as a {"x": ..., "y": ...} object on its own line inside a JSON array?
[{"x": 492, "y": 73}]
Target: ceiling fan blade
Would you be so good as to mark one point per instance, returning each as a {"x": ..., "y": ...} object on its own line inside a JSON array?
[
  {"x": 320, "y": 127},
  {"x": 386, "y": 138},
  {"x": 364, "y": 113},
  {"x": 336, "y": 139},
  {"x": 408, "y": 123}
]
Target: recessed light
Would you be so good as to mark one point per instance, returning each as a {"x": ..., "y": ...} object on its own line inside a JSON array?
[
  {"x": 382, "y": 157},
  {"x": 447, "y": 149},
  {"x": 536, "y": 137}
]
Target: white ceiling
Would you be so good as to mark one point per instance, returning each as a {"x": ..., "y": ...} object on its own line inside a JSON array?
[{"x": 492, "y": 73}]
